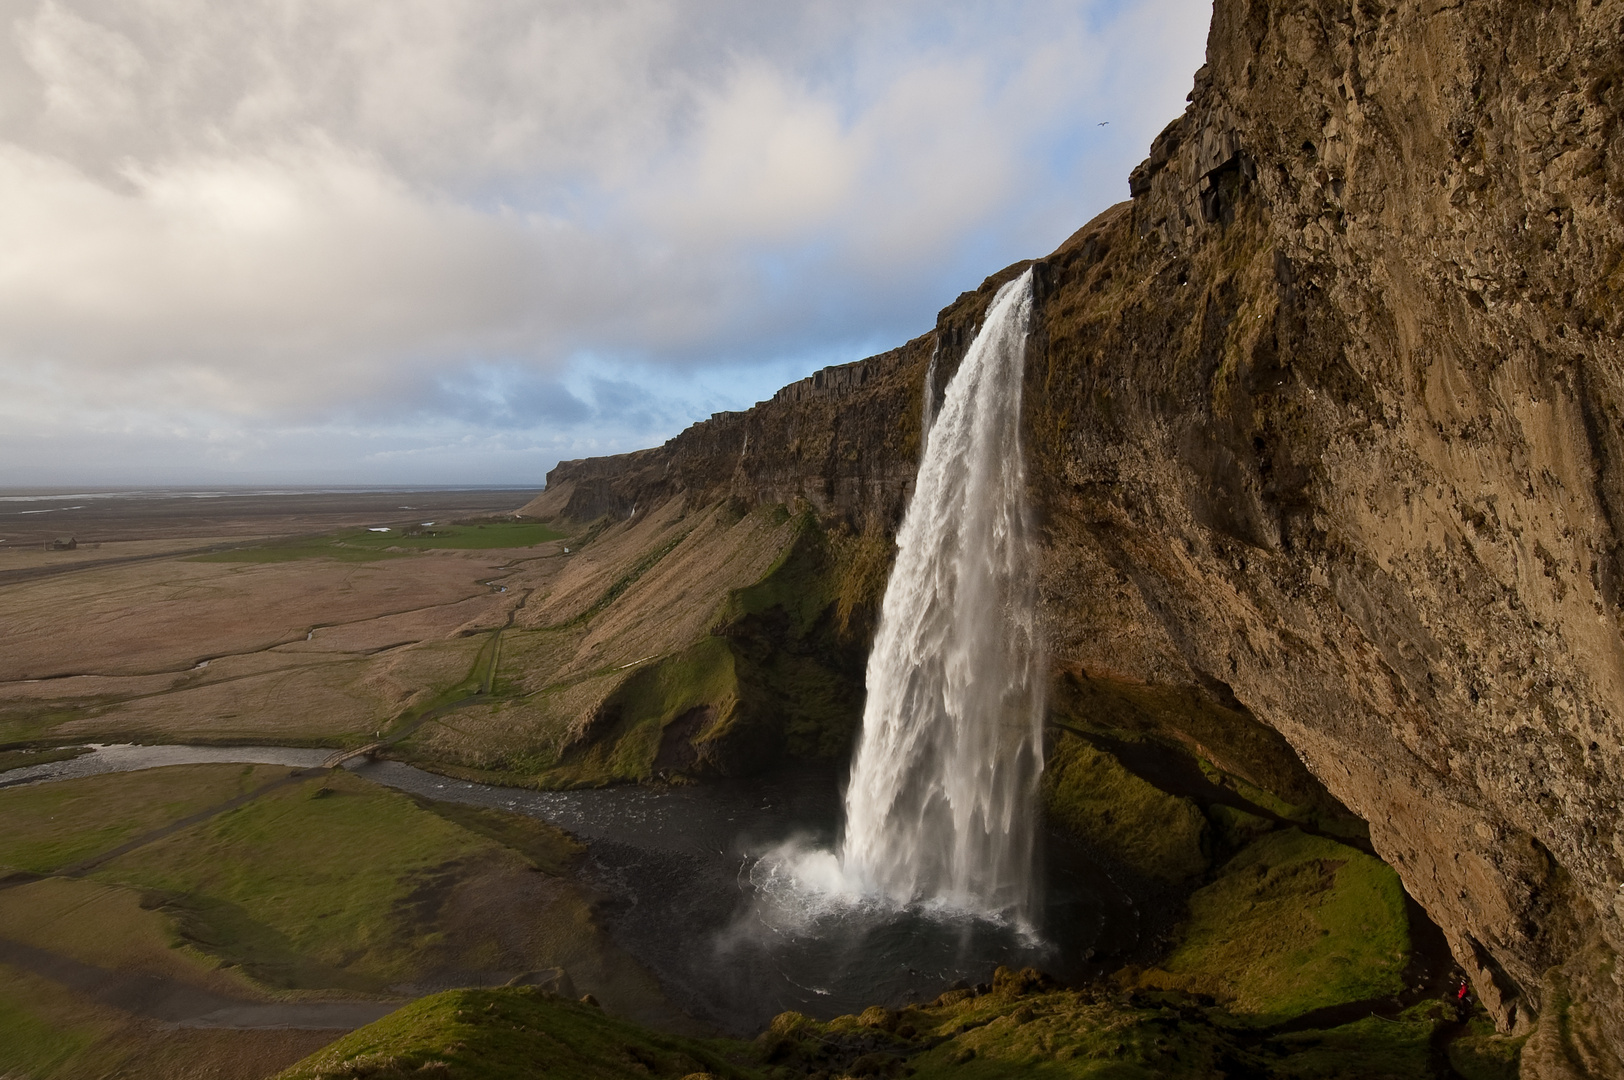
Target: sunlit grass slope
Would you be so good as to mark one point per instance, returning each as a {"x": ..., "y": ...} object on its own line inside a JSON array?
[
  {"x": 686, "y": 642},
  {"x": 49, "y": 826},
  {"x": 519, "y": 1034}
]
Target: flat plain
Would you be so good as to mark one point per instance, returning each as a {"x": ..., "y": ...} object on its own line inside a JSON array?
[{"x": 249, "y": 617}]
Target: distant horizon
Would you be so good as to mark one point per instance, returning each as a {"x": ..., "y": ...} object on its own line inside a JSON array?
[
  {"x": 67, "y": 491},
  {"x": 341, "y": 245}
]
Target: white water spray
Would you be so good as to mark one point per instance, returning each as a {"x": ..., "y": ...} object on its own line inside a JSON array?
[{"x": 940, "y": 807}]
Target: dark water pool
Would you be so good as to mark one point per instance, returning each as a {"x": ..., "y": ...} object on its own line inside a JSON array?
[{"x": 688, "y": 893}]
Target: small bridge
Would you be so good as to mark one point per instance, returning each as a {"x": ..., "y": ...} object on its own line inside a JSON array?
[{"x": 339, "y": 757}]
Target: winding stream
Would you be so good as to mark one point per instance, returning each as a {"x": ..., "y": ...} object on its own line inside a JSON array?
[{"x": 688, "y": 894}]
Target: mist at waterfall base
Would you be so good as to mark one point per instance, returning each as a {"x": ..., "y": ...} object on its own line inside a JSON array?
[{"x": 936, "y": 867}]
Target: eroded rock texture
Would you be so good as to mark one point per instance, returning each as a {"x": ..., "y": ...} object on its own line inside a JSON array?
[
  {"x": 1328, "y": 422},
  {"x": 844, "y": 440}
]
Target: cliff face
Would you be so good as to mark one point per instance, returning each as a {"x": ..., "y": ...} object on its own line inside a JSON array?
[
  {"x": 1327, "y": 423},
  {"x": 1328, "y": 420},
  {"x": 844, "y": 440}
]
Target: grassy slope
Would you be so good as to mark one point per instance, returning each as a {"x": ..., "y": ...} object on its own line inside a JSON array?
[
  {"x": 518, "y": 1034},
  {"x": 1291, "y": 924},
  {"x": 49, "y": 826},
  {"x": 1017, "y": 1028},
  {"x": 1087, "y": 791},
  {"x": 682, "y": 644},
  {"x": 329, "y": 885},
  {"x": 301, "y": 886}
]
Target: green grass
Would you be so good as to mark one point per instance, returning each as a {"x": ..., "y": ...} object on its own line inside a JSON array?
[
  {"x": 797, "y": 650},
  {"x": 363, "y": 545},
  {"x": 469, "y": 537},
  {"x": 1293, "y": 923},
  {"x": 1369, "y": 1049},
  {"x": 797, "y": 583},
  {"x": 1049, "y": 1034},
  {"x": 777, "y": 674},
  {"x": 519, "y": 1034},
  {"x": 304, "y": 886},
  {"x": 1090, "y": 794},
  {"x": 31, "y": 1045},
  {"x": 49, "y": 826},
  {"x": 1067, "y": 1034},
  {"x": 549, "y": 850},
  {"x": 1028, "y": 1031},
  {"x": 634, "y": 716},
  {"x": 1481, "y": 1053},
  {"x": 31, "y": 721}
]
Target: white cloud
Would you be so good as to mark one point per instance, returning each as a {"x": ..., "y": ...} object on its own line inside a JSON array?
[{"x": 245, "y": 225}]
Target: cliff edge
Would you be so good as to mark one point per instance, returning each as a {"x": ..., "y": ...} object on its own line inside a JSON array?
[{"x": 1327, "y": 425}]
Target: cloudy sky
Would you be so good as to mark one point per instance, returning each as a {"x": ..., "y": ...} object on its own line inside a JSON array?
[{"x": 454, "y": 241}]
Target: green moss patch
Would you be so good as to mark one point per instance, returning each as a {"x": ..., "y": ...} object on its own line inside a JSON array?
[
  {"x": 523, "y": 1034},
  {"x": 1481, "y": 1053},
  {"x": 549, "y": 849},
  {"x": 1089, "y": 793},
  {"x": 799, "y": 649},
  {"x": 693, "y": 693},
  {"x": 1374, "y": 1048},
  {"x": 1239, "y": 752},
  {"x": 1023, "y": 1027},
  {"x": 1076, "y": 1035},
  {"x": 30, "y": 1044},
  {"x": 1292, "y": 924}
]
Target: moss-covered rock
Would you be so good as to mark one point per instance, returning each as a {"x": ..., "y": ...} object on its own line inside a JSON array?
[
  {"x": 519, "y": 1033},
  {"x": 1481, "y": 1053},
  {"x": 1088, "y": 792},
  {"x": 1292, "y": 924}
]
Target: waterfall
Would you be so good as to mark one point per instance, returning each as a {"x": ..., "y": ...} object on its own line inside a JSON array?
[
  {"x": 940, "y": 807},
  {"x": 928, "y": 415}
]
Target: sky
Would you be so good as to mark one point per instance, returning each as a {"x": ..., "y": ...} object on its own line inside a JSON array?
[{"x": 434, "y": 242}]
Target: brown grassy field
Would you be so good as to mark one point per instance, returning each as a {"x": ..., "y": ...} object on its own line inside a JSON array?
[
  {"x": 223, "y": 620},
  {"x": 490, "y": 645}
]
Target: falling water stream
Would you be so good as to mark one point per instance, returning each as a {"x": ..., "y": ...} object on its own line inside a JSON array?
[{"x": 940, "y": 807}]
